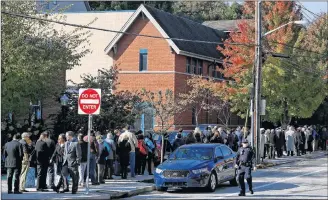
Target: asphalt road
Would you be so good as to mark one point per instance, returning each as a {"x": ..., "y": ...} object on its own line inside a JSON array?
[{"x": 306, "y": 179}]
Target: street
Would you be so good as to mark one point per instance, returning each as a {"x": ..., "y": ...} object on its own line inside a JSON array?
[{"x": 299, "y": 180}]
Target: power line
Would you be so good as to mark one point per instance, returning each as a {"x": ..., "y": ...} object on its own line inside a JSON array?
[
  {"x": 122, "y": 32},
  {"x": 143, "y": 35},
  {"x": 314, "y": 14}
]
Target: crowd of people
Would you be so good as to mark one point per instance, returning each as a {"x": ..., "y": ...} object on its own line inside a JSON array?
[
  {"x": 32, "y": 155},
  {"x": 272, "y": 142},
  {"x": 29, "y": 161}
]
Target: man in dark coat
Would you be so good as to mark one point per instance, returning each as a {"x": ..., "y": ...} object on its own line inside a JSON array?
[
  {"x": 298, "y": 141},
  {"x": 279, "y": 142},
  {"x": 42, "y": 157},
  {"x": 72, "y": 158},
  {"x": 51, "y": 147},
  {"x": 272, "y": 142},
  {"x": 14, "y": 155},
  {"x": 178, "y": 141}
]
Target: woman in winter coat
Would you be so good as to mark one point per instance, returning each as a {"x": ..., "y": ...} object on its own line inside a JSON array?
[
  {"x": 280, "y": 142},
  {"x": 289, "y": 136},
  {"x": 198, "y": 138},
  {"x": 190, "y": 139},
  {"x": 262, "y": 143},
  {"x": 123, "y": 150}
]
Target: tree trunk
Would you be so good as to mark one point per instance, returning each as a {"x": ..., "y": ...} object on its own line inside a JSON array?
[
  {"x": 285, "y": 121},
  {"x": 162, "y": 147}
]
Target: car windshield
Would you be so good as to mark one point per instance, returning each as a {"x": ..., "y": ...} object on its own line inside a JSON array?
[{"x": 192, "y": 154}]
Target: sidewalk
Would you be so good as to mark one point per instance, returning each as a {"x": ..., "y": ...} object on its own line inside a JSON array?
[
  {"x": 288, "y": 159},
  {"x": 115, "y": 188}
]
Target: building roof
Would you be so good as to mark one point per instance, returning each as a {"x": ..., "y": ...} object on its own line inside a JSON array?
[
  {"x": 172, "y": 26},
  {"x": 224, "y": 25}
]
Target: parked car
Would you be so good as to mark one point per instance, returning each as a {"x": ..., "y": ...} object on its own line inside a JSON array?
[{"x": 197, "y": 165}]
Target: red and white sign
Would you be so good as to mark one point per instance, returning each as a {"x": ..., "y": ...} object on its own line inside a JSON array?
[{"x": 89, "y": 101}]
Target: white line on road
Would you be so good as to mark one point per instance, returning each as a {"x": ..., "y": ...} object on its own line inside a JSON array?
[{"x": 281, "y": 181}]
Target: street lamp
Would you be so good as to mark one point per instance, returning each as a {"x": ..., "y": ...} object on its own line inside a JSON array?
[
  {"x": 257, "y": 81},
  {"x": 64, "y": 105},
  {"x": 292, "y": 22}
]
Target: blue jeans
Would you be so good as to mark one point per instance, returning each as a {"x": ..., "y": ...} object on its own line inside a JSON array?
[
  {"x": 92, "y": 172},
  {"x": 132, "y": 163}
]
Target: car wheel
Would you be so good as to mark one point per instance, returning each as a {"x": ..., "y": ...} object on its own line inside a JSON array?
[
  {"x": 161, "y": 189},
  {"x": 233, "y": 181},
  {"x": 212, "y": 183}
]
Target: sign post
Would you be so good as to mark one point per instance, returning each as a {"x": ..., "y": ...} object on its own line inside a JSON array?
[{"x": 89, "y": 104}]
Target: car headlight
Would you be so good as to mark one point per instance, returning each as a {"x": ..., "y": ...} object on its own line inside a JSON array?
[
  {"x": 158, "y": 171},
  {"x": 199, "y": 171}
]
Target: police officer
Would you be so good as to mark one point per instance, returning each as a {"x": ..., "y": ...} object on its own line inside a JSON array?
[{"x": 244, "y": 163}]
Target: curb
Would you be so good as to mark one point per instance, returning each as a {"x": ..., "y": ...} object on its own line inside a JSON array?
[
  {"x": 291, "y": 161},
  {"x": 125, "y": 194}
]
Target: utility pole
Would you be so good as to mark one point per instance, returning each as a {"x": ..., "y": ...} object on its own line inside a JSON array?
[{"x": 257, "y": 90}]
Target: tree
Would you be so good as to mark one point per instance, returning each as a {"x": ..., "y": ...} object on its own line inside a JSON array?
[
  {"x": 207, "y": 10},
  {"x": 129, "y": 5},
  {"x": 198, "y": 96},
  {"x": 287, "y": 87},
  {"x": 165, "y": 108},
  {"x": 117, "y": 109},
  {"x": 35, "y": 56}
]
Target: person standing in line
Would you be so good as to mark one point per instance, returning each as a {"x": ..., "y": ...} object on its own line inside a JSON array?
[
  {"x": 133, "y": 144},
  {"x": 51, "y": 147},
  {"x": 94, "y": 153},
  {"x": 267, "y": 143},
  {"x": 309, "y": 140},
  {"x": 62, "y": 170},
  {"x": 262, "y": 143},
  {"x": 143, "y": 152},
  {"x": 84, "y": 159},
  {"x": 72, "y": 157},
  {"x": 27, "y": 152},
  {"x": 178, "y": 141},
  {"x": 279, "y": 142},
  {"x": 244, "y": 165},
  {"x": 272, "y": 141},
  {"x": 298, "y": 141},
  {"x": 110, "y": 159},
  {"x": 151, "y": 148},
  {"x": 124, "y": 151},
  {"x": 13, "y": 152},
  {"x": 101, "y": 161},
  {"x": 290, "y": 144},
  {"x": 324, "y": 138},
  {"x": 42, "y": 157},
  {"x": 216, "y": 138},
  {"x": 190, "y": 139}
]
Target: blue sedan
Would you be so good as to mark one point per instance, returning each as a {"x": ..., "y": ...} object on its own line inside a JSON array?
[{"x": 197, "y": 165}]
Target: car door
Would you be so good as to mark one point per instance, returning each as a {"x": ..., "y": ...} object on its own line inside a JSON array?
[
  {"x": 228, "y": 162},
  {"x": 219, "y": 164}
]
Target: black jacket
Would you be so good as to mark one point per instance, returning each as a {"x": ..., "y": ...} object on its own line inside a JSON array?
[
  {"x": 178, "y": 142},
  {"x": 124, "y": 152},
  {"x": 42, "y": 153},
  {"x": 14, "y": 154},
  {"x": 51, "y": 146},
  {"x": 297, "y": 140},
  {"x": 58, "y": 157},
  {"x": 272, "y": 139},
  {"x": 215, "y": 139},
  {"x": 84, "y": 151}
]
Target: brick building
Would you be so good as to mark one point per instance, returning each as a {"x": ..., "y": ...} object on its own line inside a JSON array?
[{"x": 159, "y": 64}]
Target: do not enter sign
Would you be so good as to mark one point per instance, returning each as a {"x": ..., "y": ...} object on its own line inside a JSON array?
[{"x": 89, "y": 101}]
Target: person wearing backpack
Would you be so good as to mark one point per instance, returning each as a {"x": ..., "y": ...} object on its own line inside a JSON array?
[
  {"x": 151, "y": 150},
  {"x": 101, "y": 161},
  {"x": 142, "y": 155}
]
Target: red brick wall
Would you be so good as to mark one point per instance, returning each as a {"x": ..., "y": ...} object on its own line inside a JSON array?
[{"x": 160, "y": 58}]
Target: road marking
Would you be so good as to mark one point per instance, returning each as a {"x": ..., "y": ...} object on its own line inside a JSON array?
[{"x": 281, "y": 181}]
